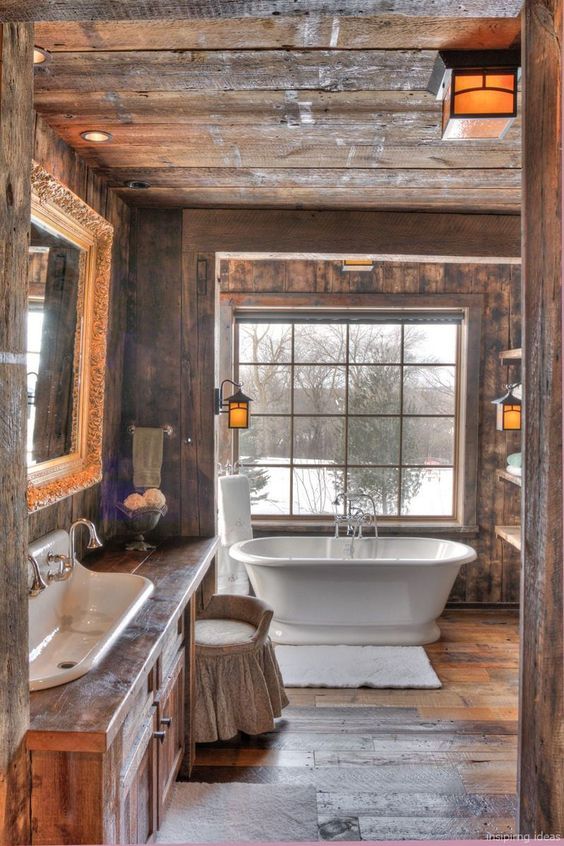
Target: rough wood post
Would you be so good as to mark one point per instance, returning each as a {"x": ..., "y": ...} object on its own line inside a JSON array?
[
  {"x": 16, "y": 130},
  {"x": 541, "y": 752},
  {"x": 197, "y": 379}
]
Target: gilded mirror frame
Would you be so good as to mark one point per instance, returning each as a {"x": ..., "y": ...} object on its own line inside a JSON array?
[{"x": 58, "y": 208}]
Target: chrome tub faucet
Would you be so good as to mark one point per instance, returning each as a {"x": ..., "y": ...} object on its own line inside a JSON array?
[{"x": 354, "y": 520}]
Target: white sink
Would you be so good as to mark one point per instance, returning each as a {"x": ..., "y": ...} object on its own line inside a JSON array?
[{"x": 74, "y": 622}]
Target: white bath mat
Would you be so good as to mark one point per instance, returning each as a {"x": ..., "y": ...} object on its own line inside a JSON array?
[
  {"x": 356, "y": 666},
  {"x": 220, "y": 813}
]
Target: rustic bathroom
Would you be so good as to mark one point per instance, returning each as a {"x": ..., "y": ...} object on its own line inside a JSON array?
[{"x": 281, "y": 433}]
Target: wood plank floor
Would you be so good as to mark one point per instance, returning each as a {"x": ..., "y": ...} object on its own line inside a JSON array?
[{"x": 391, "y": 764}]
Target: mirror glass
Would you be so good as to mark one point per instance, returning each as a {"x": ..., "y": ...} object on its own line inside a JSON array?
[
  {"x": 67, "y": 319},
  {"x": 57, "y": 267}
]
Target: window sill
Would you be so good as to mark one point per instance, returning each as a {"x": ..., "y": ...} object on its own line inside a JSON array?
[{"x": 328, "y": 527}]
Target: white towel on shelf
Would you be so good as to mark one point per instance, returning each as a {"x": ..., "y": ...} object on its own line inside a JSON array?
[
  {"x": 234, "y": 525},
  {"x": 515, "y": 471}
]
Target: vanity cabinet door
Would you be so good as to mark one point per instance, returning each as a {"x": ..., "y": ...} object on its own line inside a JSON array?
[
  {"x": 139, "y": 790},
  {"x": 170, "y": 719}
]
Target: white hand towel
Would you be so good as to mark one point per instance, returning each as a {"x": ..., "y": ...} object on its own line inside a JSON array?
[
  {"x": 147, "y": 457},
  {"x": 234, "y": 510},
  {"x": 234, "y": 525},
  {"x": 515, "y": 471}
]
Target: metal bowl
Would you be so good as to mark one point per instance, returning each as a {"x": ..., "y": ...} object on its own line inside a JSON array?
[{"x": 139, "y": 522}]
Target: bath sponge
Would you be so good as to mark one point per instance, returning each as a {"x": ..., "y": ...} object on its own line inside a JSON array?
[
  {"x": 134, "y": 501},
  {"x": 154, "y": 498}
]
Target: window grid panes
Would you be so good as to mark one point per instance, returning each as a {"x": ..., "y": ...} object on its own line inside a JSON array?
[{"x": 368, "y": 407}]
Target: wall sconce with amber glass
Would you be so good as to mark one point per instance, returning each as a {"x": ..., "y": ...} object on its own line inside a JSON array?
[
  {"x": 357, "y": 265},
  {"x": 478, "y": 90},
  {"x": 508, "y": 410},
  {"x": 237, "y": 406}
]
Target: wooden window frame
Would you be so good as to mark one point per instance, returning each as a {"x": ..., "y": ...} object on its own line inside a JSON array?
[{"x": 468, "y": 392}]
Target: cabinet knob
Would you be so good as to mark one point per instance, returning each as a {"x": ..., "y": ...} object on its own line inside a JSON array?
[
  {"x": 166, "y": 721},
  {"x": 159, "y": 735}
]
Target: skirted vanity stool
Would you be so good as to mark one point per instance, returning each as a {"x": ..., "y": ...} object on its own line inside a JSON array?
[{"x": 238, "y": 682}]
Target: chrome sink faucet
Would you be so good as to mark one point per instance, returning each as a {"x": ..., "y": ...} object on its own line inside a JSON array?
[
  {"x": 38, "y": 584},
  {"x": 354, "y": 520},
  {"x": 66, "y": 562}
]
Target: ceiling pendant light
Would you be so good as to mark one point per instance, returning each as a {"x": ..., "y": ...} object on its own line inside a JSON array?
[{"x": 478, "y": 92}]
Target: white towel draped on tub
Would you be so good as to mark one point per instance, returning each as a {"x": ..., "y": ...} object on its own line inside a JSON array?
[{"x": 234, "y": 525}]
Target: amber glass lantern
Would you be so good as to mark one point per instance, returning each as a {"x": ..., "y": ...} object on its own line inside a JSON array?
[
  {"x": 480, "y": 103},
  {"x": 237, "y": 406},
  {"x": 478, "y": 89},
  {"x": 238, "y": 410},
  {"x": 508, "y": 411}
]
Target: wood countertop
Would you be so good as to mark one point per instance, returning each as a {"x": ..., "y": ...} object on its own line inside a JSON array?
[{"x": 95, "y": 705}]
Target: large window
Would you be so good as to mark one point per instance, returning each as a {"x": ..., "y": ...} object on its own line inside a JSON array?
[{"x": 357, "y": 403}]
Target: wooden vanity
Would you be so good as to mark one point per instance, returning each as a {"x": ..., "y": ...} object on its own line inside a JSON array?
[{"x": 106, "y": 749}]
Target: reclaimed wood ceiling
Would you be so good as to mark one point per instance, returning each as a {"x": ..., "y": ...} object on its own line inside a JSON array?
[{"x": 250, "y": 103}]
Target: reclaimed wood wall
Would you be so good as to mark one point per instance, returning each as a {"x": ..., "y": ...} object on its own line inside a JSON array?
[
  {"x": 16, "y": 41},
  {"x": 494, "y": 577},
  {"x": 541, "y": 805},
  {"x": 96, "y": 502},
  {"x": 153, "y": 382},
  {"x": 170, "y": 364}
]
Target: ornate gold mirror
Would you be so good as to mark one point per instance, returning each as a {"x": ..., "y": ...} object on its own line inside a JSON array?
[{"x": 67, "y": 317}]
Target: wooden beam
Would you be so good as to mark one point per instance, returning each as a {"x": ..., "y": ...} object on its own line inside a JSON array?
[
  {"x": 62, "y": 108},
  {"x": 91, "y": 10},
  {"x": 400, "y": 233},
  {"x": 390, "y": 129},
  {"x": 167, "y": 70},
  {"x": 16, "y": 133},
  {"x": 390, "y": 32},
  {"x": 497, "y": 189},
  {"x": 312, "y": 110},
  {"x": 291, "y": 153},
  {"x": 350, "y": 178},
  {"x": 197, "y": 378},
  {"x": 504, "y": 201},
  {"x": 541, "y": 753}
]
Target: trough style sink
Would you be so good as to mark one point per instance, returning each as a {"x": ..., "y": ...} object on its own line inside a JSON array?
[{"x": 73, "y": 623}]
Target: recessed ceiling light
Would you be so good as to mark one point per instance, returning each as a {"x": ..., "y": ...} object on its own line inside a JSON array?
[
  {"x": 97, "y": 136},
  {"x": 40, "y": 56},
  {"x": 137, "y": 184}
]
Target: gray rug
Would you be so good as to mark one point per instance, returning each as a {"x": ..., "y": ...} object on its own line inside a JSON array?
[
  {"x": 356, "y": 666},
  {"x": 212, "y": 813}
]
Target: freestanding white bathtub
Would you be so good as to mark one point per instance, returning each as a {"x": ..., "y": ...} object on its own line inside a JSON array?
[{"x": 389, "y": 591}]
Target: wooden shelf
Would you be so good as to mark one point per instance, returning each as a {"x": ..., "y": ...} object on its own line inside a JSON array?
[
  {"x": 509, "y": 477},
  {"x": 510, "y": 534},
  {"x": 511, "y": 355}
]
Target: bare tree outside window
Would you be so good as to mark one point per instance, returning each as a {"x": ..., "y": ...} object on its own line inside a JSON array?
[{"x": 364, "y": 406}]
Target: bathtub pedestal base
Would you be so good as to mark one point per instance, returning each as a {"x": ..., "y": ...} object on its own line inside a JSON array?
[{"x": 299, "y": 634}]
